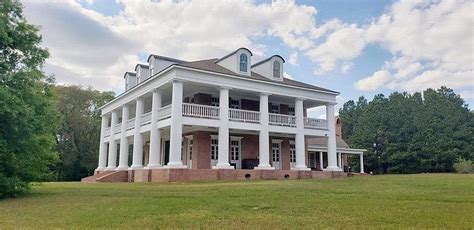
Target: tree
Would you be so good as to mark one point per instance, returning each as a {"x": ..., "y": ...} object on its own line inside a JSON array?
[
  {"x": 28, "y": 117},
  {"x": 78, "y": 135},
  {"x": 410, "y": 133}
]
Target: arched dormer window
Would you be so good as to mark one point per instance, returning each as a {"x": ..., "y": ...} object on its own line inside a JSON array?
[
  {"x": 276, "y": 69},
  {"x": 243, "y": 63}
]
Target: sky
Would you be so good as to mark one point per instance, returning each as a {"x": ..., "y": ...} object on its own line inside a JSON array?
[{"x": 355, "y": 47}]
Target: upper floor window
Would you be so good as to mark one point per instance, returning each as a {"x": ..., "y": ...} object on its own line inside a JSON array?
[
  {"x": 243, "y": 63},
  {"x": 215, "y": 101},
  {"x": 276, "y": 69}
]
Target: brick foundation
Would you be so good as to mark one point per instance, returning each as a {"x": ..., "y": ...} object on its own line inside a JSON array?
[{"x": 186, "y": 175}]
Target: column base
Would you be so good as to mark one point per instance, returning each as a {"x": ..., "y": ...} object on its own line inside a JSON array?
[
  {"x": 110, "y": 168},
  {"x": 223, "y": 166},
  {"x": 154, "y": 166},
  {"x": 301, "y": 168},
  {"x": 176, "y": 165},
  {"x": 122, "y": 168},
  {"x": 100, "y": 168},
  {"x": 136, "y": 167},
  {"x": 264, "y": 167},
  {"x": 333, "y": 168}
]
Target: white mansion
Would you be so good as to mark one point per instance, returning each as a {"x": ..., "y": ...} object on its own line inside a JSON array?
[{"x": 223, "y": 115}]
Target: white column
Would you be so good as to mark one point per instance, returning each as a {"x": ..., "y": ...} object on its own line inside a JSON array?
[
  {"x": 361, "y": 163},
  {"x": 123, "y": 159},
  {"x": 103, "y": 145},
  {"x": 264, "y": 139},
  {"x": 321, "y": 160},
  {"x": 299, "y": 138},
  {"x": 332, "y": 155},
  {"x": 339, "y": 159},
  {"x": 223, "y": 147},
  {"x": 155, "y": 133},
  {"x": 176, "y": 133},
  {"x": 137, "y": 136},
  {"x": 112, "y": 164}
]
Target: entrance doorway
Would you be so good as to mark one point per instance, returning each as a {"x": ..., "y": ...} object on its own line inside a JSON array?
[
  {"x": 276, "y": 154},
  {"x": 235, "y": 152},
  {"x": 166, "y": 152}
]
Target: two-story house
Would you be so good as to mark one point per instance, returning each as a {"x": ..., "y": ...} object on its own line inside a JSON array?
[{"x": 220, "y": 118}]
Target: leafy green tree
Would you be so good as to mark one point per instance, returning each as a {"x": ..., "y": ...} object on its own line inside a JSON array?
[
  {"x": 28, "y": 116},
  {"x": 410, "y": 133},
  {"x": 78, "y": 135}
]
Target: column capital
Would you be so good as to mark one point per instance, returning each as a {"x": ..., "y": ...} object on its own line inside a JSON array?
[
  {"x": 300, "y": 99},
  {"x": 155, "y": 90},
  {"x": 177, "y": 80},
  {"x": 264, "y": 94},
  {"x": 331, "y": 103},
  {"x": 224, "y": 88}
]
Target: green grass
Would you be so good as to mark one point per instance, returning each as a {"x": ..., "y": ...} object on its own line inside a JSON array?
[{"x": 395, "y": 201}]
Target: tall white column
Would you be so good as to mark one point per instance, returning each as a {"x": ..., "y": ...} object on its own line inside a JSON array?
[
  {"x": 321, "y": 160},
  {"x": 332, "y": 157},
  {"x": 112, "y": 164},
  {"x": 176, "y": 133},
  {"x": 299, "y": 138},
  {"x": 223, "y": 147},
  {"x": 137, "y": 136},
  {"x": 155, "y": 133},
  {"x": 123, "y": 159},
  {"x": 361, "y": 163},
  {"x": 339, "y": 159},
  {"x": 264, "y": 138},
  {"x": 103, "y": 146}
]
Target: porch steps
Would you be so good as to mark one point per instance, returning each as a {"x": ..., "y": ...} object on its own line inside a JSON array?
[{"x": 113, "y": 176}]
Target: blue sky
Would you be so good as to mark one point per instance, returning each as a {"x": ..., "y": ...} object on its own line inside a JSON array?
[{"x": 359, "y": 47}]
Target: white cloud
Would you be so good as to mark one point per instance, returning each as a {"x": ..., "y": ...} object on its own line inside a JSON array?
[
  {"x": 294, "y": 58},
  {"x": 346, "y": 67},
  {"x": 320, "y": 111},
  {"x": 373, "y": 82},
  {"x": 286, "y": 75}
]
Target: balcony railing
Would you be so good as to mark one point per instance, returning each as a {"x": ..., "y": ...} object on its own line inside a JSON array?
[
  {"x": 200, "y": 111},
  {"x": 130, "y": 124},
  {"x": 314, "y": 123},
  {"x": 164, "y": 112},
  {"x": 118, "y": 128},
  {"x": 107, "y": 131},
  {"x": 244, "y": 115},
  {"x": 282, "y": 120},
  {"x": 145, "y": 119}
]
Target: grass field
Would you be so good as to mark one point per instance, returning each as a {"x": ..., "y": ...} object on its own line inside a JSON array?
[{"x": 396, "y": 201}]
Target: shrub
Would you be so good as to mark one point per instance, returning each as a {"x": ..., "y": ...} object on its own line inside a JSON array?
[{"x": 464, "y": 166}]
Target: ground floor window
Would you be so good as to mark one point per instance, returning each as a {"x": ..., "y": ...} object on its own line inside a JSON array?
[
  {"x": 292, "y": 152},
  {"x": 234, "y": 150},
  {"x": 214, "y": 149}
]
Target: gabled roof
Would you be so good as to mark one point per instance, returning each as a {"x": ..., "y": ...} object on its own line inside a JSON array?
[
  {"x": 141, "y": 65},
  {"x": 164, "y": 58},
  {"x": 129, "y": 73},
  {"x": 235, "y": 51},
  {"x": 211, "y": 65},
  {"x": 323, "y": 142},
  {"x": 267, "y": 59}
]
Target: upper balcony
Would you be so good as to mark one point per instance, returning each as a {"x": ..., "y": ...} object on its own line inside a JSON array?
[{"x": 212, "y": 112}]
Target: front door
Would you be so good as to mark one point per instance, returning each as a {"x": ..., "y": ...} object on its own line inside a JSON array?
[
  {"x": 235, "y": 153},
  {"x": 292, "y": 155},
  {"x": 276, "y": 150}
]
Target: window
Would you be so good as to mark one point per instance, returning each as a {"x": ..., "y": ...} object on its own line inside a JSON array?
[
  {"x": 276, "y": 69},
  {"x": 275, "y": 109},
  {"x": 292, "y": 152},
  {"x": 190, "y": 149},
  {"x": 214, "y": 149},
  {"x": 291, "y": 111},
  {"x": 215, "y": 101},
  {"x": 234, "y": 104},
  {"x": 243, "y": 63},
  {"x": 276, "y": 152},
  {"x": 234, "y": 150}
]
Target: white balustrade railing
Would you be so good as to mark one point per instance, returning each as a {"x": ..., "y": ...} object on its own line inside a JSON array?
[
  {"x": 201, "y": 111},
  {"x": 145, "y": 119},
  {"x": 282, "y": 120},
  {"x": 130, "y": 124},
  {"x": 107, "y": 131},
  {"x": 314, "y": 123},
  {"x": 244, "y": 115},
  {"x": 164, "y": 112},
  {"x": 118, "y": 128}
]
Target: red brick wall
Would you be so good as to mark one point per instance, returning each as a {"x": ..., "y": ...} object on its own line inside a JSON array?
[
  {"x": 250, "y": 105},
  {"x": 202, "y": 98},
  {"x": 201, "y": 150},
  {"x": 249, "y": 146}
]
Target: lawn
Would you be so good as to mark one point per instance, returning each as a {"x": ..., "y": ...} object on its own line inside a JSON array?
[{"x": 395, "y": 201}]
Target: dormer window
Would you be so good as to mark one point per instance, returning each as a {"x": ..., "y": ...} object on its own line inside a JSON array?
[
  {"x": 276, "y": 69},
  {"x": 243, "y": 63}
]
